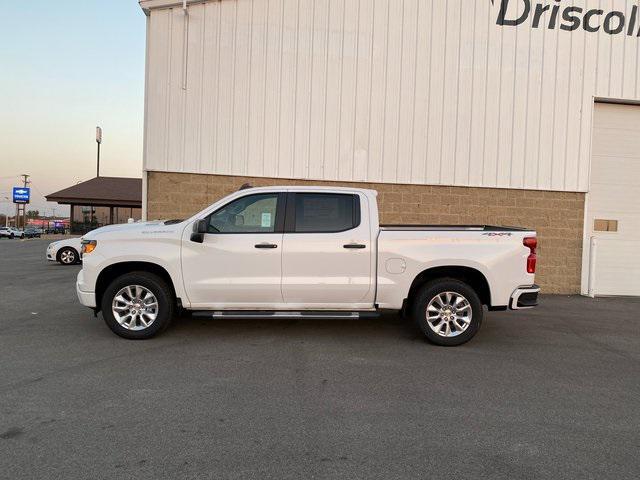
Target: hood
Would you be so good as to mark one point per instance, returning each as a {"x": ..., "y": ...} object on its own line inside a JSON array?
[{"x": 154, "y": 226}]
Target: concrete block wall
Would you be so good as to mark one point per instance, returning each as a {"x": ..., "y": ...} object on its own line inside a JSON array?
[{"x": 556, "y": 216}]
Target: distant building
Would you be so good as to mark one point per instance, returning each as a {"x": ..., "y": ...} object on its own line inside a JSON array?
[{"x": 101, "y": 201}]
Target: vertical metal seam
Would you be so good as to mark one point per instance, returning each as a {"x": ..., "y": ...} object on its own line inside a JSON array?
[
  {"x": 371, "y": 43},
  {"x": 428, "y": 96},
  {"x": 201, "y": 102},
  {"x": 444, "y": 83},
  {"x": 513, "y": 109},
  {"x": 526, "y": 116},
  {"x": 540, "y": 103},
  {"x": 340, "y": 94},
  {"x": 384, "y": 120},
  {"x": 326, "y": 88},
  {"x": 292, "y": 168},
  {"x": 457, "y": 125},
  {"x": 168, "y": 92},
  {"x": 184, "y": 92},
  {"x": 498, "y": 150},
  {"x": 486, "y": 96},
  {"x": 355, "y": 96},
  {"x": 279, "y": 90},
  {"x": 216, "y": 142},
  {"x": 553, "y": 113},
  {"x": 400, "y": 93},
  {"x": 566, "y": 137},
  {"x": 415, "y": 88},
  {"x": 473, "y": 83},
  {"x": 311, "y": 58},
  {"x": 582, "y": 101},
  {"x": 230, "y": 162},
  {"x": 249, "y": 85},
  {"x": 267, "y": 22}
]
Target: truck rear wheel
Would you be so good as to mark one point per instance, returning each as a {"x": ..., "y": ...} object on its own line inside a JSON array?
[
  {"x": 138, "y": 305},
  {"x": 448, "y": 312}
]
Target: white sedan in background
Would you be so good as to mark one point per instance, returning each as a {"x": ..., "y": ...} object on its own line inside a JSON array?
[
  {"x": 11, "y": 232},
  {"x": 66, "y": 252}
]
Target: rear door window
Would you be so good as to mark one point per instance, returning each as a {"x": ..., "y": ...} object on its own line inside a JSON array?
[{"x": 325, "y": 212}]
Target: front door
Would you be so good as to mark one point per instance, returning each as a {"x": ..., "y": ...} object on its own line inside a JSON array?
[
  {"x": 239, "y": 264},
  {"x": 327, "y": 250}
]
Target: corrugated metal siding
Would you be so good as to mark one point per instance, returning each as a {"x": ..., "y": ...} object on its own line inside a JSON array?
[{"x": 409, "y": 91}]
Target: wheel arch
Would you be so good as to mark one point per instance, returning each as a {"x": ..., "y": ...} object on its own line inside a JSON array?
[
  {"x": 115, "y": 270},
  {"x": 471, "y": 276}
]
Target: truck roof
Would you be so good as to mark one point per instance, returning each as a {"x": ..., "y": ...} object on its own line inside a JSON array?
[{"x": 309, "y": 188}]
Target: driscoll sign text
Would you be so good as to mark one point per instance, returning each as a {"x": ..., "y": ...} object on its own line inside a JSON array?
[{"x": 567, "y": 17}]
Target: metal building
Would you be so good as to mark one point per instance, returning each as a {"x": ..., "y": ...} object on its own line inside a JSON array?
[{"x": 477, "y": 111}]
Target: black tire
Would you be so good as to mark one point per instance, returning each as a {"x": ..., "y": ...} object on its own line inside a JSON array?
[
  {"x": 429, "y": 292},
  {"x": 157, "y": 286},
  {"x": 68, "y": 256},
  {"x": 12, "y": 236}
]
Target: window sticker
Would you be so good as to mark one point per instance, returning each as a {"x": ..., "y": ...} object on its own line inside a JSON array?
[{"x": 266, "y": 220}]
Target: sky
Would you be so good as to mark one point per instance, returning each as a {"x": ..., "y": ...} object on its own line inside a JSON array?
[{"x": 65, "y": 67}]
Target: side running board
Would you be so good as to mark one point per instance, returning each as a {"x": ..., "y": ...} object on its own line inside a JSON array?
[{"x": 283, "y": 314}]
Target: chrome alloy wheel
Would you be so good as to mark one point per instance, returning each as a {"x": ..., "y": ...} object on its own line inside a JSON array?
[
  {"x": 449, "y": 314},
  {"x": 134, "y": 307},
  {"x": 67, "y": 257}
]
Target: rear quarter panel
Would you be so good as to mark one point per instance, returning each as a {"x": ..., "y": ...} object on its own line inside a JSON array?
[{"x": 403, "y": 255}]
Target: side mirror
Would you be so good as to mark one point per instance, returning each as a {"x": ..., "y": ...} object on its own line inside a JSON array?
[{"x": 199, "y": 229}]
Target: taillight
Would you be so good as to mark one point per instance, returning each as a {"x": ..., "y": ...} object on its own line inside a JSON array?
[{"x": 531, "y": 243}]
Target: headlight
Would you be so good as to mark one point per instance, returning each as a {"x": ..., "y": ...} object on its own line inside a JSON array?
[{"x": 88, "y": 246}]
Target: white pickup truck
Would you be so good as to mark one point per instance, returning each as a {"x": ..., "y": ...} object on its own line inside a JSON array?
[{"x": 283, "y": 252}]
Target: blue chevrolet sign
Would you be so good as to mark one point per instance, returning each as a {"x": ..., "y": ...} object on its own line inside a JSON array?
[{"x": 21, "y": 194}]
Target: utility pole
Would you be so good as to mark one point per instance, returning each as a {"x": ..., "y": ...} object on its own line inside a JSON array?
[{"x": 98, "y": 141}]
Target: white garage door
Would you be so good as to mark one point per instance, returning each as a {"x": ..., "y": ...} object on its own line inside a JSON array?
[{"x": 613, "y": 203}]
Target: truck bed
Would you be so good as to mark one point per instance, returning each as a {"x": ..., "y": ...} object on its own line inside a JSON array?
[{"x": 455, "y": 228}]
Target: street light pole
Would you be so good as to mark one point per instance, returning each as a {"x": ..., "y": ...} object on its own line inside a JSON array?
[
  {"x": 98, "y": 141},
  {"x": 6, "y": 217}
]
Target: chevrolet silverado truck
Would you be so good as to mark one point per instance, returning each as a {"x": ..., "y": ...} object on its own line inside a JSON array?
[{"x": 304, "y": 252}]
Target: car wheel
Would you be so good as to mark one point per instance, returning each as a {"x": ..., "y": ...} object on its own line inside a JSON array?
[
  {"x": 138, "y": 305},
  {"x": 448, "y": 312},
  {"x": 12, "y": 236},
  {"x": 68, "y": 256}
]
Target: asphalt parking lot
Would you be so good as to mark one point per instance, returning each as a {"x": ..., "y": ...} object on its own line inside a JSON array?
[{"x": 549, "y": 393}]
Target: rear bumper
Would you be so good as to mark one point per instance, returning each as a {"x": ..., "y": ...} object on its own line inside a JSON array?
[{"x": 524, "y": 297}]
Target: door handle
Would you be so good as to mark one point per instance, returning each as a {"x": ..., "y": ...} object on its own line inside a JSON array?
[
  {"x": 266, "y": 245},
  {"x": 354, "y": 246}
]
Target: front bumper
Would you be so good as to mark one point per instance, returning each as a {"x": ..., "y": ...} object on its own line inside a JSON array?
[
  {"x": 51, "y": 252},
  {"x": 524, "y": 297},
  {"x": 88, "y": 299}
]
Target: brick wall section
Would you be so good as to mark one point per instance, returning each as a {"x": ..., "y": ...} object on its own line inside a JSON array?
[{"x": 556, "y": 216}]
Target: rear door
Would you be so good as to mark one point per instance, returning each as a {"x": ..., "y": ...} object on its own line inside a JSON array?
[{"x": 327, "y": 248}]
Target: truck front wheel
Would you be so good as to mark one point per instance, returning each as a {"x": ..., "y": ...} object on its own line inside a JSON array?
[
  {"x": 448, "y": 311},
  {"x": 138, "y": 305}
]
